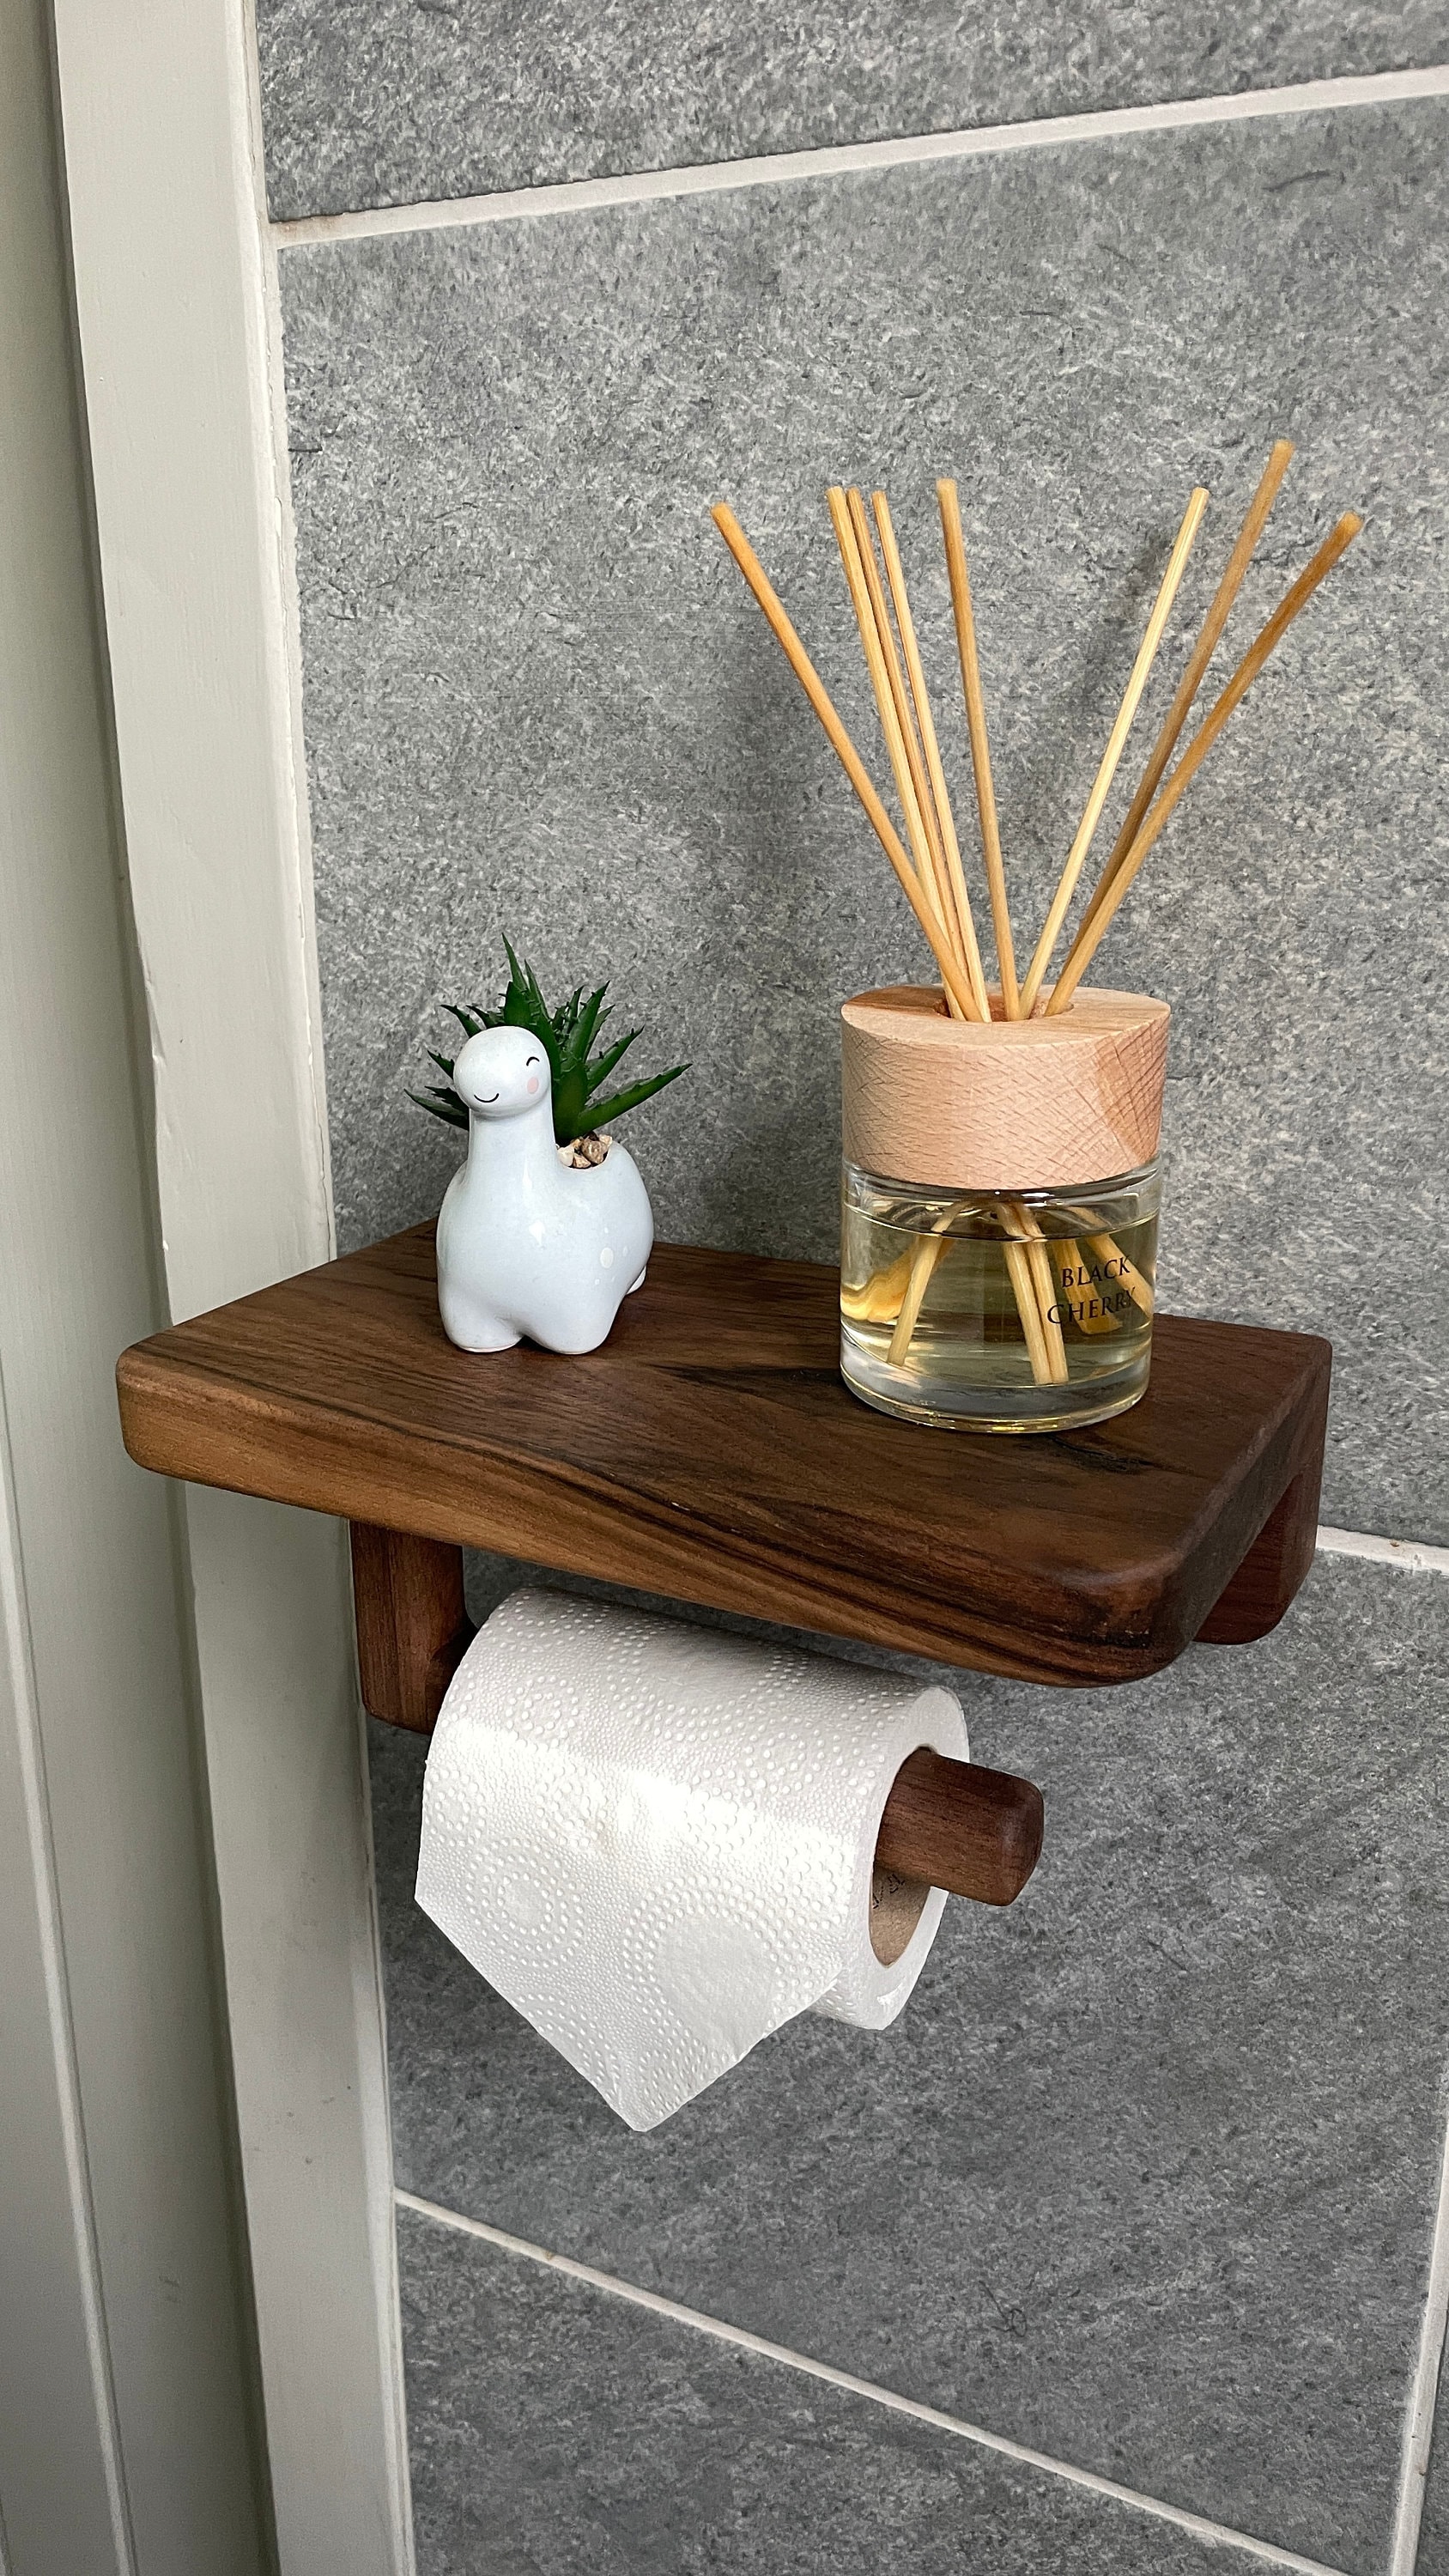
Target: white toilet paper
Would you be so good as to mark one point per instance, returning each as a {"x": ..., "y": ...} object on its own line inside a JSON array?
[{"x": 657, "y": 1841}]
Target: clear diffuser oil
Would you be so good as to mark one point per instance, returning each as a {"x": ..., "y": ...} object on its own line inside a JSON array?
[{"x": 1025, "y": 1310}]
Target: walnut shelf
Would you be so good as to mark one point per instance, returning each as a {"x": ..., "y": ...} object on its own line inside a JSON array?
[{"x": 710, "y": 1452}]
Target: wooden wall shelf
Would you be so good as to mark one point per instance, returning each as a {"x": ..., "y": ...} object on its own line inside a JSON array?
[{"x": 709, "y": 1452}]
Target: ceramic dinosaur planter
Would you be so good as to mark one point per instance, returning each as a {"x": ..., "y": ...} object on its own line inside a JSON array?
[
  {"x": 526, "y": 1243},
  {"x": 547, "y": 1227}
]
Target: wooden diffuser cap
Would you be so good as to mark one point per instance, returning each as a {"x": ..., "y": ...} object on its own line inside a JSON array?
[{"x": 1005, "y": 1105}]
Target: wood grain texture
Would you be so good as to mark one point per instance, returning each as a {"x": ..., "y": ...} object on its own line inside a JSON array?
[
  {"x": 956, "y": 1825},
  {"x": 1273, "y": 1569},
  {"x": 1009, "y": 1105},
  {"x": 412, "y": 1626},
  {"x": 710, "y": 1452}
]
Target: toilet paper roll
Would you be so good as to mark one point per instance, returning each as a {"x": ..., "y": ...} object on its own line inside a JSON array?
[{"x": 658, "y": 1841}]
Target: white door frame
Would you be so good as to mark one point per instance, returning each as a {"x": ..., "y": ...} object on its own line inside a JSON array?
[{"x": 176, "y": 295}]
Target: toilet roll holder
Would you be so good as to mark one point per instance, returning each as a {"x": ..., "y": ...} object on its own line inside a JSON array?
[
  {"x": 710, "y": 1454},
  {"x": 948, "y": 1824}
]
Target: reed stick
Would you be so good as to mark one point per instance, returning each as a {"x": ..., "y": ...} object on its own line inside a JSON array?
[
  {"x": 840, "y": 742},
  {"x": 1116, "y": 744},
  {"x": 1046, "y": 1289},
  {"x": 950, "y": 507},
  {"x": 915, "y": 672},
  {"x": 928, "y": 1253},
  {"x": 1090, "y": 936},
  {"x": 1040, "y": 1271},
  {"x": 1023, "y": 1289},
  {"x": 937, "y": 879},
  {"x": 1031, "y": 1286},
  {"x": 1259, "y": 509},
  {"x": 1107, "y": 1248},
  {"x": 878, "y": 1299},
  {"x": 958, "y": 989}
]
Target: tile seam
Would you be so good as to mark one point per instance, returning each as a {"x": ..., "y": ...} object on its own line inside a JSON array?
[
  {"x": 1419, "y": 2421},
  {"x": 1199, "y": 2526},
  {"x": 829, "y": 161},
  {"x": 1410, "y": 1555}
]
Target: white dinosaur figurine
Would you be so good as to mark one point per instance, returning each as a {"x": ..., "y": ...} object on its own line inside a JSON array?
[{"x": 526, "y": 1244}]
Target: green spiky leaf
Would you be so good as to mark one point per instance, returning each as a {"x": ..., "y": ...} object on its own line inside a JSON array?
[
  {"x": 599, "y": 1112},
  {"x": 584, "y": 1018},
  {"x": 603, "y": 1065},
  {"x": 566, "y": 1036},
  {"x": 442, "y": 1104}
]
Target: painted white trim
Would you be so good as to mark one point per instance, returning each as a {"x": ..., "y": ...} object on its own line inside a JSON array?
[
  {"x": 847, "y": 160},
  {"x": 127, "y": 2428},
  {"x": 1419, "y": 2419},
  {"x": 1410, "y": 1555},
  {"x": 177, "y": 321},
  {"x": 1215, "y": 2533},
  {"x": 286, "y": 633},
  {"x": 31, "y": 1915}
]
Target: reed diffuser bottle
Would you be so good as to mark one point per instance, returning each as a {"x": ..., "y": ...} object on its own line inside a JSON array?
[
  {"x": 989, "y": 1281},
  {"x": 1000, "y": 1202}
]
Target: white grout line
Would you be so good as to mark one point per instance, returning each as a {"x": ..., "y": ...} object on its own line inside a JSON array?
[
  {"x": 1419, "y": 2423},
  {"x": 776, "y": 169},
  {"x": 1216, "y": 2534},
  {"x": 1412, "y": 1555}
]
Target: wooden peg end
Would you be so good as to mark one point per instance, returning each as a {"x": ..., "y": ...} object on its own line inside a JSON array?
[{"x": 959, "y": 1826}]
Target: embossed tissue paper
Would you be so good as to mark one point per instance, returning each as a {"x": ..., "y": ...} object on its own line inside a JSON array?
[{"x": 657, "y": 1841}]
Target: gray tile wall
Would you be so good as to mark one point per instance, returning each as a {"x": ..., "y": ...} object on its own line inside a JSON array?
[
  {"x": 1145, "y": 2178},
  {"x": 539, "y": 699},
  {"x": 385, "y": 102},
  {"x": 558, "y": 2432}
]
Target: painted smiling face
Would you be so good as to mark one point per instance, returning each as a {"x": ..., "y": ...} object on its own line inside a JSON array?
[{"x": 502, "y": 1072}]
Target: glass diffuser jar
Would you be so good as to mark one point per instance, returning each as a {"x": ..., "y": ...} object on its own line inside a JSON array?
[
  {"x": 1024, "y": 1310},
  {"x": 987, "y": 1283}
]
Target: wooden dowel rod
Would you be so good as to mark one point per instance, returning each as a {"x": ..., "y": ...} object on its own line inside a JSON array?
[
  {"x": 950, "y": 506},
  {"x": 1196, "y": 671},
  {"x": 952, "y": 975},
  {"x": 901, "y": 699},
  {"x": 810, "y": 681},
  {"x": 924, "y": 1260},
  {"x": 1033, "y": 1243},
  {"x": 915, "y": 669},
  {"x": 1028, "y": 1307},
  {"x": 1089, "y": 938},
  {"x": 1116, "y": 744},
  {"x": 922, "y": 828},
  {"x": 959, "y": 1826},
  {"x": 840, "y": 742}
]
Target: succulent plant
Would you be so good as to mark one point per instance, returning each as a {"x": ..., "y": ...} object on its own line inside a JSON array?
[{"x": 566, "y": 1035}]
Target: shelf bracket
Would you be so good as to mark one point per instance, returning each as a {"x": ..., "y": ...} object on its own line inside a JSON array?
[
  {"x": 413, "y": 1629},
  {"x": 1255, "y": 1598}
]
